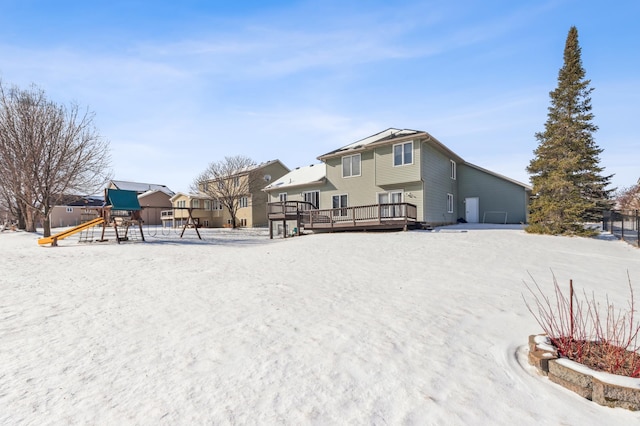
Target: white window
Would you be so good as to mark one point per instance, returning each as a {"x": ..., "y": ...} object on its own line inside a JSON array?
[
  {"x": 236, "y": 181},
  {"x": 69, "y": 209},
  {"x": 244, "y": 202},
  {"x": 351, "y": 165},
  {"x": 403, "y": 154},
  {"x": 220, "y": 185},
  {"x": 453, "y": 170},
  {"x": 391, "y": 204},
  {"x": 195, "y": 204},
  {"x": 216, "y": 205},
  {"x": 207, "y": 205},
  {"x": 206, "y": 223},
  {"x": 312, "y": 197},
  {"x": 449, "y": 203},
  {"x": 282, "y": 196},
  {"x": 340, "y": 202},
  {"x": 243, "y": 222}
]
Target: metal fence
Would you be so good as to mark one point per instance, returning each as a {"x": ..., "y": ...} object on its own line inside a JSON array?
[{"x": 624, "y": 224}]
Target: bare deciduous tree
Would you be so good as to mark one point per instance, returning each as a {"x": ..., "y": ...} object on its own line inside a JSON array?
[
  {"x": 228, "y": 181},
  {"x": 47, "y": 151},
  {"x": 629, "y": 198}
]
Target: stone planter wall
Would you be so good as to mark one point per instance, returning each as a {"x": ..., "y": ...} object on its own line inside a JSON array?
[{"x": 603, "y": 388}]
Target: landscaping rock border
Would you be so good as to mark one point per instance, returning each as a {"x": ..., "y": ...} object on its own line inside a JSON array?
[{"x": 603, "y": 388}]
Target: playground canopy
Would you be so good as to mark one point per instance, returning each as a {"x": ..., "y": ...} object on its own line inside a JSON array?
[{"x": 121, "y": 199}]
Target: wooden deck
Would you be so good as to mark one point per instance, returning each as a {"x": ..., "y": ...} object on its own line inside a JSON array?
[{"x": 401, "y": 216}]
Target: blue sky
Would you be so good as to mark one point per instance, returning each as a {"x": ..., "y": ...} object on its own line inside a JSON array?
[{"x": 176, "y": 85}]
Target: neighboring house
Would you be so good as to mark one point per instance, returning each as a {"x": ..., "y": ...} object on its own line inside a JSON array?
[
  {"x": 153, "y": 203},
  {"x": 154, "y": 199},
  {"x": 411, "y": 166},
  {"x": 253, "y": 205},
  {"x": 205, "y": 211},
  {"x": 74, "y": 210}
]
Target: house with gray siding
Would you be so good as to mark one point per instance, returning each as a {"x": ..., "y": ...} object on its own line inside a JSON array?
[
  {"x": 396, "y": 174},
  {"x": 412, "y": 166}
]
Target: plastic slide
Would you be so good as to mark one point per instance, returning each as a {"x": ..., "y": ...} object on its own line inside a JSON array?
[{"x": 64, "y": 234}]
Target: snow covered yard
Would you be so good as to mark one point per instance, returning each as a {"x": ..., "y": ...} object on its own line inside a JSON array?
[{"x": 359, "y": 328}]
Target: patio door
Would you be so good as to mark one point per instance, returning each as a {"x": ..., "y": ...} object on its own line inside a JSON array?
[{"x": 390, "y": 198}]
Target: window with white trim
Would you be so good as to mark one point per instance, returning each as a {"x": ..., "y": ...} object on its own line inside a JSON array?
[
  {"x": 216, "y": 205},
  {"x": 351, "y": 165},
  {"x": 207, "y": 205},
  {"x": 243, "y": 222},
  {"x": 244, "y": 202},
  {"x": 391, "y": 204},
  {"x": 453, "y": 170},
  {"x": 340, "y": 202},
  {"x": 282, "y": 196},
  {"x": 69, "y": 209},
  {"x": 449, "y": 203},
  {"x": 312, "y": 197},
  {"x": 403, "y": 154},
  {"x": 195, "y": 204}
]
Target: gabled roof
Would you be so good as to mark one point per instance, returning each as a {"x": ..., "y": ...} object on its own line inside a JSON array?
[
  {"x": 191, "y": 196},
  {"x": 151, "y": 192},
  {"x": 301, "y": 176},
  {"x": 140, "y": 187},
  {"x": 389, "y": 136}
]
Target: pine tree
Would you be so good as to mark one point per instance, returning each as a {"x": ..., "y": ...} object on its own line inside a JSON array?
[{"x": 566, "y": 174}]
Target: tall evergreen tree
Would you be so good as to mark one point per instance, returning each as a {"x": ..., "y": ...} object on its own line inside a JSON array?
[{"x": 567, "y": 178}]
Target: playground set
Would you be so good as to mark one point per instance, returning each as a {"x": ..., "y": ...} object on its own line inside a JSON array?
[{"x": 122, "y": 212}]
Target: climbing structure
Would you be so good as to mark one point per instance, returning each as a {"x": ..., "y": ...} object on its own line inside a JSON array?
[{"x": 122, "y": 210}]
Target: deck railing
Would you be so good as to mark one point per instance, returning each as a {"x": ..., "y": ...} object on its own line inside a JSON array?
[
  {"x": 311, "y": 217},
  {"x": 358, "y": 215},
  {"x": 288, "y": 208}
]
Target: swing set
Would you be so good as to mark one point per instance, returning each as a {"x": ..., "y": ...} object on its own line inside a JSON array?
[{"x": 123, "y": 213}]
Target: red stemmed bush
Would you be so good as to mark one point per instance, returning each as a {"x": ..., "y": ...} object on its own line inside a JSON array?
[{"x": 603, "y": 339}]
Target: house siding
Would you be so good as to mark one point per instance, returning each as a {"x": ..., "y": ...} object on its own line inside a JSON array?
[
  {"x": 495, "y": 195},
  {"x": 152, "y": 205},
  {"x": 388, "y": 174},
  {"x": 358, "y": 188},
  {"x": 436, "y": 175},
  {"x": 256, "y": 212},
  {"x": 364, "y": 189}
]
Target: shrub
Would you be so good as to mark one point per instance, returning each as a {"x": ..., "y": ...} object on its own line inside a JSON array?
[{"x": 581, "y": 331}]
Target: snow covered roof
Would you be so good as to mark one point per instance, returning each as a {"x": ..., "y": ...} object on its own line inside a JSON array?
[
  {"x": 140, "y": 187},
  {"x": 307, "y": 175},
  {"x": 191, "y": 195},
  {"x": 384, "y": 136},
  {"x": 151, "y": 192}
]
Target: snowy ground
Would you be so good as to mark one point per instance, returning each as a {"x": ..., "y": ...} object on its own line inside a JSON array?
[{"x": 356, "y": 328}]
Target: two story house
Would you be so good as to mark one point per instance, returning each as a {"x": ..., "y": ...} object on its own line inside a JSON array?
[
  {"x": 245, "y": 187},
  {"x": 408, "y": 166}
]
